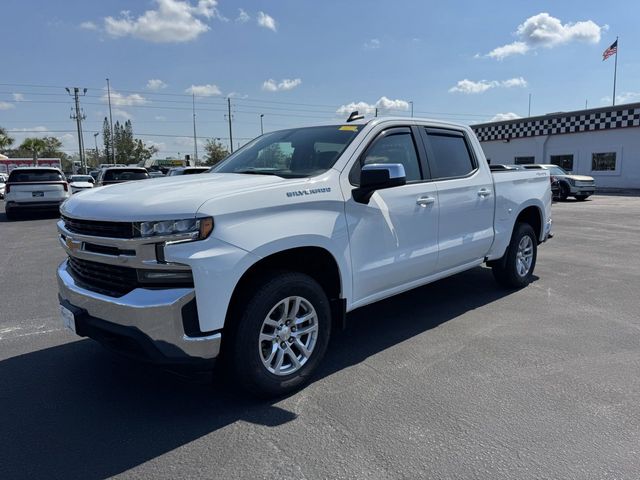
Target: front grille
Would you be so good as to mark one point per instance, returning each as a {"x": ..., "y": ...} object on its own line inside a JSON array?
[
  {"x": 111, "y": 280},
  {"x": 100, "y": 229}
]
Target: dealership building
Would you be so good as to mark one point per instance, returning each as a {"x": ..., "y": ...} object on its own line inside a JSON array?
[{"x": 601, "y": 142}]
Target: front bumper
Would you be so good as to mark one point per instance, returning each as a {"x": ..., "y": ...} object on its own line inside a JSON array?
[
  {"x": 582, "y": 189},
  {"x": 145, "y": 323}
]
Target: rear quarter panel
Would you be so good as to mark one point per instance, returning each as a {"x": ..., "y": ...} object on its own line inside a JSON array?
[{"x": 515, "y": 191}]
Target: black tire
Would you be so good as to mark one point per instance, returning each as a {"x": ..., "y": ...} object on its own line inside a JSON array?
[
  {"x": 581, "y": 198},
  {"x": 245, "y": 361},
  {"x": 11, "y": 215},
  {"x": 505, "y": 270},
  {"x": 564, "y": 192}
]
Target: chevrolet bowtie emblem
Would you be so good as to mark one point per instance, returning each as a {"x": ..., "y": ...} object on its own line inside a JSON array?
[{"x": 72, "y": 245}]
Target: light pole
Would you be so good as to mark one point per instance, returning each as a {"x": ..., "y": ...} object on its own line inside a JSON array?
[
  {"x": 261, "y": 127},
  {"x": 95, "y": 139},
  {"x": 411, "y": 109},
  {"x": 113, "y": 152}
]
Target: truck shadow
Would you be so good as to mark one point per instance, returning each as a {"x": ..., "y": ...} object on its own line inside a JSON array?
[{"x": 77, "y": 411}]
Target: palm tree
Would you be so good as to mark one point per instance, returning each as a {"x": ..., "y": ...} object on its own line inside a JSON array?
[
  {"x": 5, "y": 140},
  {"x": 35, "y": 146}
]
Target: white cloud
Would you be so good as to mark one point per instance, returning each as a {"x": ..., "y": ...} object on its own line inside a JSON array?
[
  {"x": 387, "y": 104},
  {"x": 286, "y": 84},
  {"x": 543, "y": 30},
  {"x": 515, "y": 48},
  {"x": 156, "y": 84},
  {"x": 88, "y": 26},
  {"x": 18, "y": 97},
  {"x": 160, "y": 118},
  {"x": 6, "y": 106},
  {"x": 238, "y": 95},
  {"x": 372, "y": 44},
  {"x": 469, "y": 86},
  {"x": 118, "y": 112},
  {"x": 514, "y": 82},
  {"x": 121, "y": 100},
  {"x": 243, "y": 17},
  {"x": 624, "y": 97},
  {"x": 172, "y": 21},
  {"x": 266, "y": 21},
  {"x": 499, "y": 117},
  {"x": 384, "y": 105},
  {"x": 209, "y": 90}
]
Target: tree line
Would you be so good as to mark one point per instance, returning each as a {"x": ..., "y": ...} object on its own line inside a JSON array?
[{"x": 119, "y": 146}]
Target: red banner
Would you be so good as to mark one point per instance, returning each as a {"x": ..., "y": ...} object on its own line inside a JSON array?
[{"x": 6, "y": 165}]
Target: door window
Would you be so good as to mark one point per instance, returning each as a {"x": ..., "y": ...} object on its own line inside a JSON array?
[
  {"x": 451, "y": 156},
  {"x": 395, "y": 146}
]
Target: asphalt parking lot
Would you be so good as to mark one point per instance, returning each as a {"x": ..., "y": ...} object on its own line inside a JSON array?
[{"x": 458, "y": 379}]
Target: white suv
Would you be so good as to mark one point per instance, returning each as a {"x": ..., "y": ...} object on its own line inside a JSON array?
[{"x": 34, "y": 188}]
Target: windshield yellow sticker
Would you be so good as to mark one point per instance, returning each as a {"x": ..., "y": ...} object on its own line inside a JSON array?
[{"x": 349, "y": 128}]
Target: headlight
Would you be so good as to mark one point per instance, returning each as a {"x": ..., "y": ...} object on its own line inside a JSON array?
[{"x": 195, "y": 228}]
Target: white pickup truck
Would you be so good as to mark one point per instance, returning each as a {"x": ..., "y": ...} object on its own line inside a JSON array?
[{"x": 257, "y": 261}]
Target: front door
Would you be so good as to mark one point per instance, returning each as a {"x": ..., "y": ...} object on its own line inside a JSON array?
[{"x": 393, "y": 238}]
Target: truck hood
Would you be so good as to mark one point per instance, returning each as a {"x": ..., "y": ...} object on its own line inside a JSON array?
[
  {"x": 160, "y": 198},
  {"x": 580, "y": 178}
]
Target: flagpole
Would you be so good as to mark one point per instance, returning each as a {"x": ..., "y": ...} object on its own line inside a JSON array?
[{"x": 615, "y": 72}]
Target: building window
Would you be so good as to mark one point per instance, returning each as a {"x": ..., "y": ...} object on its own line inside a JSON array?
[
  {"x": 563, "y": 161},
  {"x": 602, "y": 162},
  {"x": 524, "y": 160}
]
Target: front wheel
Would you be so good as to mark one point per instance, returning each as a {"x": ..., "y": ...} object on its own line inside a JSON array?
[
  {"x": 564, "y": 193},
  {"x": 515, "y": 269},
  {"x": 282, "y": 335},
  {"x": 581, "y": 198}
]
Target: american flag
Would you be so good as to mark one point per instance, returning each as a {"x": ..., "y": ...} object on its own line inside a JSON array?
[{"x": 612, "y": 50}]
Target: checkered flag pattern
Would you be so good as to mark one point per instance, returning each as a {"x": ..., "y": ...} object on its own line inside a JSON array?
[{"x": 624, "y": 117}]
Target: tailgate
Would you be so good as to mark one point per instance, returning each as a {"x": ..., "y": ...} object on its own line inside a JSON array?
[{"x": 37, "y": 192}]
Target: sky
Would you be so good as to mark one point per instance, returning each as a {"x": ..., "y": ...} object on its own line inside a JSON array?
[{"x": 301, "y": 62}]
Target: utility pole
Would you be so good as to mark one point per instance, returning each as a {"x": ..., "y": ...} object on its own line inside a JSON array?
[
  {"x": 78, "y": 116},
  {"x": 261, "y": 126},
  {"x": 113, "y": 151},
  {"x": 195, "y": 141},
  {"x": 529, "y": 114},
  {"x": 411, "y": 108},
  {"x": 376, "y": 111},
  {"x": 230, "y": 130}
]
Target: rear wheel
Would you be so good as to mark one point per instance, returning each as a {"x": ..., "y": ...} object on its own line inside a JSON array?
[
  {"x": 281, "y": 336},
  {"x": 515, "y": 269}
]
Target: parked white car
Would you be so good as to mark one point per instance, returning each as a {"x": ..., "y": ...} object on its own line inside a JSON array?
[
  {"x": 34, "y": 189},
  {"x": 77, "y": 183},
  {"x": 259, "y": 260},
  {"x": 2, "y": 187}
]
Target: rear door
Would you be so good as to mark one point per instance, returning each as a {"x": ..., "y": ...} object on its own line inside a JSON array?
[{"x": 465, "y": 195}]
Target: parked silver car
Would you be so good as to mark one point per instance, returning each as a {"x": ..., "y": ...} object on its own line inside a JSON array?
[{"x": 579, "y": 186}]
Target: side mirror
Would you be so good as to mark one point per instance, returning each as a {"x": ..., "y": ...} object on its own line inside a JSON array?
[{"x": 378, "y": 176}]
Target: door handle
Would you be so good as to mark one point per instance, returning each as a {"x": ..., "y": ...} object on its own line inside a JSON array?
[
  {"x": 484, "y": 192},
  {"x": 426, "y": 200}
]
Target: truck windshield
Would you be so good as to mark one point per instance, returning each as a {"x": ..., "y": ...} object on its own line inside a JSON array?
[{"x": 294, "y": 153}]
